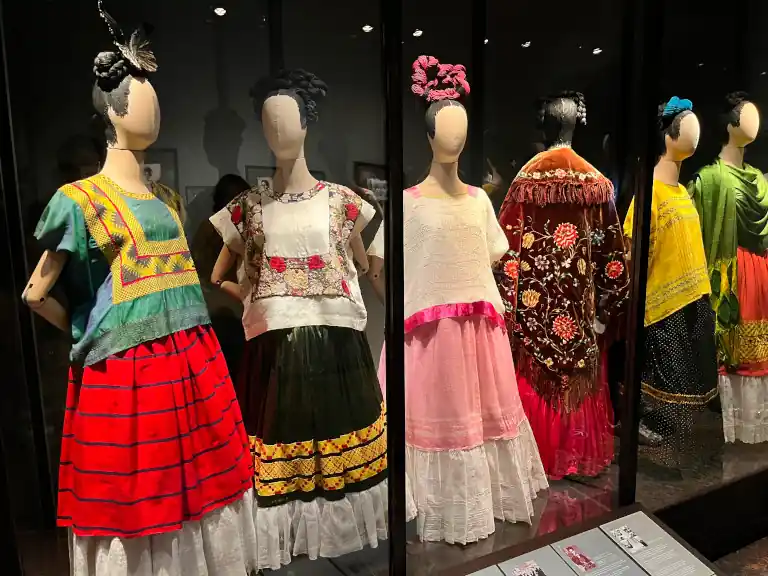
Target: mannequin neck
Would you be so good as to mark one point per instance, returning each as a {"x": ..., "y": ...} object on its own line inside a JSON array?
[
  {"x": 733, "y": 155},
  {"x": 293, "y": 176},
  {"x": 124, "y": 167},
  {"x": 443, "y": 179},
  {"x": 667, "y": 171}
]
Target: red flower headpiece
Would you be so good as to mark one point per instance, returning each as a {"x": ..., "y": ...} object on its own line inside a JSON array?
[{"x": 434, "y": 81}]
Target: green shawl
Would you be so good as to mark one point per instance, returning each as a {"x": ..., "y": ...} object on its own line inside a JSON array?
[{"x": 733, "y": 208}]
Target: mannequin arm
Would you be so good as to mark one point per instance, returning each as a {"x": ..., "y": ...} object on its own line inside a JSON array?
[
  {"x": 41, "y": 282},
  {"x": 358, "y": 250},
  {"x": 376, "y": 277},
  {"x": 224, "y": 264}
]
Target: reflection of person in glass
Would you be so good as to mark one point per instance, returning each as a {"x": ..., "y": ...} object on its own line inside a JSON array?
[{"x": 206, "y": 244}]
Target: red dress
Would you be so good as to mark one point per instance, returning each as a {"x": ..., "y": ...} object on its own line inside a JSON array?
[{"x": 564, "y": 280}]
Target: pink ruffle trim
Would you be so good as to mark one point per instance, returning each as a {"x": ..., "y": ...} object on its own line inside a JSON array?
[{"x": 481, "y": 308}]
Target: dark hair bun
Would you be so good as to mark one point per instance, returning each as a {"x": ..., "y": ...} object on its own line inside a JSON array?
[
  {"x": 576, "y": 97},
  {"x": 110, "y": 68},
  {"x": 304, "y": 84}
]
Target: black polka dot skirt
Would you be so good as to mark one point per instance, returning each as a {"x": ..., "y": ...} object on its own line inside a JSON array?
[{"x": 679, "y": 376}]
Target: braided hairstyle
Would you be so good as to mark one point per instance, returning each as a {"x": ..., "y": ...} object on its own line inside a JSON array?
[
  {"x": 558, "y": 106},
  {"x": 730, "y": 113},
  {"x": 304, "y": 87},
  {"x": 131, "y": 58}
]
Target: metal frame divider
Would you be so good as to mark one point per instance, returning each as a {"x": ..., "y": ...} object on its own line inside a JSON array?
[
  {"x": 643, "y": 25},
  {"x": 392, "y": 20}
]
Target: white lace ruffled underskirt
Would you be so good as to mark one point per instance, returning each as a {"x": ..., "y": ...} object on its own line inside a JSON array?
[
  {"x": 454, "y": 495},
  {"x": 240, "y": 538},
  {"x": 221, "y": 543},
  {"x": 745, "y": 408},
  {"x": 321, "y": 528}
]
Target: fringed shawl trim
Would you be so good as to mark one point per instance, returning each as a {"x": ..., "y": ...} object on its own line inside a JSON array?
[
  {"x": 560, "y": 176},
  {"x": 564, "y": 393}
]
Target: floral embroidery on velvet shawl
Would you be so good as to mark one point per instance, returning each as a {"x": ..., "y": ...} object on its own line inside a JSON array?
[
  {"x": 564, "y": 274},
  {"x": 316, "y": 275}
]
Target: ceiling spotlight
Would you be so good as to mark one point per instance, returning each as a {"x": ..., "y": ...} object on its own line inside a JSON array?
[
  {"x": 485, "y": 41},
  {"x": 418, "y": 32},
  {"x": 763, "y": 73},
  {"x": 219, "y": 11},
  {"x": 367, "y": 28},
  {"x": 526, "y": 44},
  {"x": 701, "y": 64},
  {"x": 597, "y": 51}
]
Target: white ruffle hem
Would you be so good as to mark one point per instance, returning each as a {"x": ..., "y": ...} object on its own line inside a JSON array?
[
  {"x": 745, "y": 408},
  {"x": 221, "y": 543},
  {"x": 321, "y": 528},
  {"x": 454, "y": 495}
]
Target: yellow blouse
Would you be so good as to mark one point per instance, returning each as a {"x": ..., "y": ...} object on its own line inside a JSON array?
[{"x": 677, "y": 267}]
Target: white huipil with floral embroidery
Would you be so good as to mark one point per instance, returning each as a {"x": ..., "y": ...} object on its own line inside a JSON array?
[{"x": 297, "y": 256}]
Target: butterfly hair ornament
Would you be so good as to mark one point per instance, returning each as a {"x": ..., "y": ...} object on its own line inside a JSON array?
[
  {"x": 434, "y": 81},
  {"x": 132, "y": 57},
  {"x": 675, "y": 106}
]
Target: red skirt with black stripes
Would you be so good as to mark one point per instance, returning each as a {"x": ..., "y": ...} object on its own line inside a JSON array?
[{"x": 153, "y": 437}]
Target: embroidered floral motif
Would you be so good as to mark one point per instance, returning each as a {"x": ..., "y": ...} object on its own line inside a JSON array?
[
  {"x": 511, "y": 269},
  {"x": 560, "y": 174},
  {"x": 528, "y": 240},
  {"x": 566, "y": 280},
  {"x": 613, "y": 269},
  {"x": 287, "y": 198},
  {"x": 277, "y": 264},
  {"x": 564, "y": 327},
  {"x": 316, "y": 275},
  {"x": 565, "y": 235},
  {"x": 237, "y": 215},
  {"x": 530, "y": 298}
]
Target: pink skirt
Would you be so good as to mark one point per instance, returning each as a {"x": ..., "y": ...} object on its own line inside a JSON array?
[
  {"x": 460, "y": 388},
  {"x": 580, "y": 442}
]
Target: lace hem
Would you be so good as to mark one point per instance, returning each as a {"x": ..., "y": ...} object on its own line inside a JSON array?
[
  {"x": 454, "y": 495},
  {"x": 221, "y": 542},
  {"x": 320, "y": 528},
  {"x": 745, "y": 408}
]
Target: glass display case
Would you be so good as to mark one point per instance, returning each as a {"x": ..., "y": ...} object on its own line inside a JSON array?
[{"x": 466, "y": 276}]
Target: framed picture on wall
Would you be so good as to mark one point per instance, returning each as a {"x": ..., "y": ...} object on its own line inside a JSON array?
[
  {"x": 162, "y": 165},
  {"x": 372, "y": 177},
  {"x": 192, "y": 192},
  {"x": 262, "y": 176}
]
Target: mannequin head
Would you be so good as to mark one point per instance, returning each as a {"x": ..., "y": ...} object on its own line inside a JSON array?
[
  {"x": 442, "y": 86},
  {"x": 559, "y": 115},
  {"x": 679, "y": 130},
  {"x": 739, "y": 120},
  {"x": 447, "y": 125},
  {"x": 130, "y": 110},
  {"x": 286, "y": 104},
  {"x": 122, "y": 94}
]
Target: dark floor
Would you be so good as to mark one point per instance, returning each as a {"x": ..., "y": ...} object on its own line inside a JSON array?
[{"x": 749, "y": 561}]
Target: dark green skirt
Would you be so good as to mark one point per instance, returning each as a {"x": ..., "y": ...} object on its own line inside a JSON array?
[{"x": 314, "y": 414}]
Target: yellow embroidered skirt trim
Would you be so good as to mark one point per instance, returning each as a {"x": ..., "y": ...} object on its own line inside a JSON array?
[
  {"x": 320, "y": 465},
  {"x": 683, "y": 399},
  {"x": 750, "y": 342}
]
